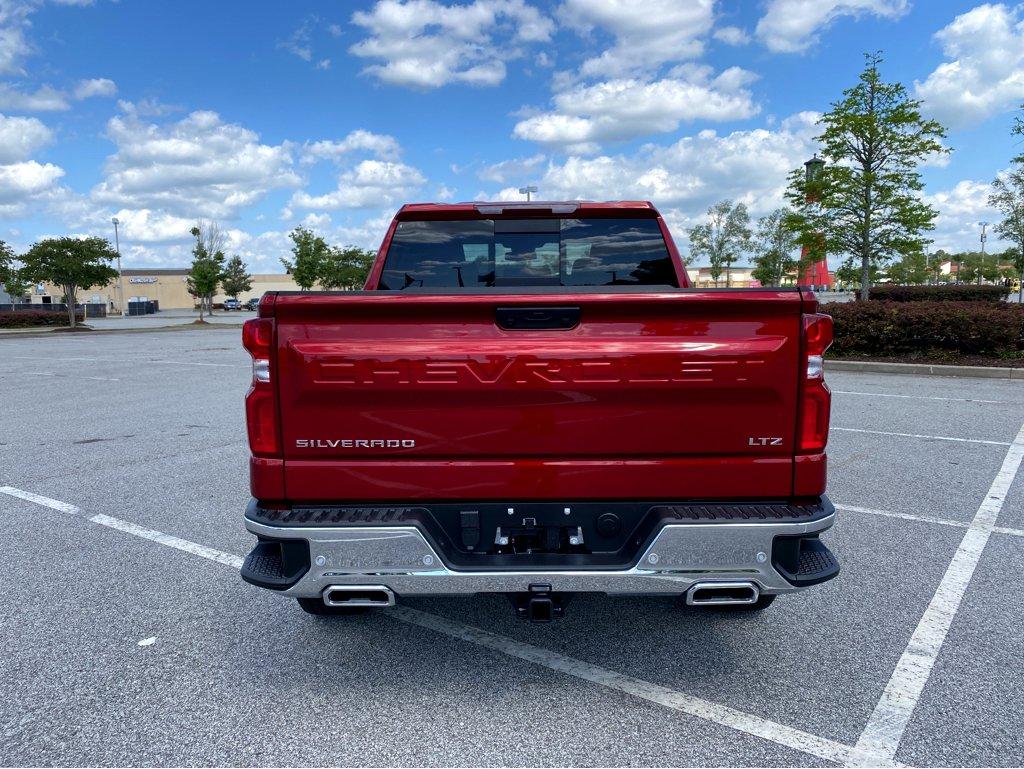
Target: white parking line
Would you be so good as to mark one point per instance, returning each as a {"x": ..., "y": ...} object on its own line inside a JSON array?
[
  {"x": 18, "y": 374},
  {"x": 926, "y": 437},
  {"x": 904, "y": 516},
  {"x": 195, "y": 363},
  {"x": 139, "y": 360},
  {"x": 170, "y": 541},
  {"x": 926, "y": 519},
  {"x": 129, "y": 528},
  {"x": 39, "y": 499},
  {"x": 659, "y": 695},
  {"x": 780, "y": 734},
  {"x": 881, "y": 737},
  {"x": 913, "y": 397}
]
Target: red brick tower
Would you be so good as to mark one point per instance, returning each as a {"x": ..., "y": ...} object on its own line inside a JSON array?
[{"x": 816, "y": 274}]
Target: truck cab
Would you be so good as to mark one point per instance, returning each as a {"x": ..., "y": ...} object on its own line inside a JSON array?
[{"x": 530, "y": 399}]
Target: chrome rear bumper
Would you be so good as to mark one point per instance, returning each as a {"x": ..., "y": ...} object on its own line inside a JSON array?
[{"x": 401, "y": 559}]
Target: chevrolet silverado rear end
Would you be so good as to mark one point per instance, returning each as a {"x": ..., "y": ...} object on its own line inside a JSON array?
[{"x": 529, "y": 399}]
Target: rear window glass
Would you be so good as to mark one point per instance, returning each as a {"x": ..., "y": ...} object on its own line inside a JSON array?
[{"x": 483, "y": 253}]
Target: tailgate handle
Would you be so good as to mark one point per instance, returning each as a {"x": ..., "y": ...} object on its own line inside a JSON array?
[{"x": 536, "y": 318}]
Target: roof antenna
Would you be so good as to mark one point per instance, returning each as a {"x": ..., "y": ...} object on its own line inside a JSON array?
[{"x": 527, "y": 190}]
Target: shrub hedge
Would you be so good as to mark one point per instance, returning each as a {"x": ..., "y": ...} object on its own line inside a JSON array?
[
  {"x": 31, "y": 318},
  {"x": 949, "y": 292},
  {"x": 941, "y": 329}
]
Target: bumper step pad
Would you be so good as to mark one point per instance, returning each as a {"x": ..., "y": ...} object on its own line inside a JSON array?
[
  {"x": 376, "y": 516},
  {"x": 276, "y": 564},
  {"x": 335, "y": 516},
  {"x": 746, "y": 512},
  {"x": 805, "y": 561}
]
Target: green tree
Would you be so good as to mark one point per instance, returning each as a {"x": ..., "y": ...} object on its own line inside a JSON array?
[
  {"x": 723, "y": 238},
  {"x": 1018, "y": 130},
  {"x": 1008, "y": 198},
  {"x": 309, "y": 251},
  {"x": 976, "y": 267},
  {"x": 849, "y": 275},
  {"x": 6, "y": 261},
  {"x": 236, "y": 278},
  {"x": 16, "y": 285},
  {"x": 912, "y": 270},
  {"x": 10, "y": 276},
  {"x": 774, "y": 244},
  {"x": 71, "y": 263},
  {"x": 864, "y": 203},
  {"x": 207, "y": 266},
  {"x": 345, "y": 268}
]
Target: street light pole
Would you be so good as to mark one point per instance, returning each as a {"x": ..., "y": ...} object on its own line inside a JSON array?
[
  {"x": 983, "y": 237},
  {"x": 527, "y": 190},
  {"x": 120, "y": 278}
]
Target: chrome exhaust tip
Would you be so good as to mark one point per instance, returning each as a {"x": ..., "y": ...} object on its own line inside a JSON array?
[
  {"x": 722, "y": 593},
  {"x": 358, "y": 595}
]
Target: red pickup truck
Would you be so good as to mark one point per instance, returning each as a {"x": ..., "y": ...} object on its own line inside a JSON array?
[{"x": 530, "y": 399}]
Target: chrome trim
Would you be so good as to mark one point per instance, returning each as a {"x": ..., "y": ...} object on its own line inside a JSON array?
[
  {"x": 713, "y": 586},
  {"x": 389, "y": 599},
  {"x": 401, "y": 559}
]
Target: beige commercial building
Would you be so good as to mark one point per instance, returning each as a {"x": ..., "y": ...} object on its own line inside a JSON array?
[
  {"x": 168, "y": 286},
  {"x": 738, "y": 277}
]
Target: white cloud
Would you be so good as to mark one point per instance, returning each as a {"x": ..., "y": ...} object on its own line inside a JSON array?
[
  {"x": 615, "y": 110},
  {"x": 14, "y": 23},
  {"x": 147, "y": 108},
  {"x": 23, "y": 180},
  {"x": 514, "y": 170},
  {"x": 380, "y": 145},
  {"x": 44, "y": 99},
  {"x": 732, "y": 35},
  {"x": 369, "y": 233},
  {"x": 371, "y": 184},
  {"x": 685, "y": 177},
  {"x": 317, "y": 221},
  {"x": 197, "y": 166},
  {"x": 14, "y": 46},
  {"x": 647, "y": 33},
  {"x": 20, "y": 182},
  {"x": 97, "y": 86},
  {"x": 791, "y": 26},
  {"x": 142, "y": 225},
  {"x": 299, "y": 42},
  {"x": 427, "y": 44},
  {"x": 985, "y": 73},
  {"x": 960, "y": 209},
  {"x": 20, "y": 137}
]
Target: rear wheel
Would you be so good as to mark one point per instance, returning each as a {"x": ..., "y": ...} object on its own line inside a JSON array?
[{"x": 319, "y": 608}]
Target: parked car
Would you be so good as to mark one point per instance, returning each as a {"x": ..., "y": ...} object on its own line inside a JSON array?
[
  {"x": 232, "y": 304},
  {"x": 529, "y": 399},
  {"x": 251, "y": 304}
]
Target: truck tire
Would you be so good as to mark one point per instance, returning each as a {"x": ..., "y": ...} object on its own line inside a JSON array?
[{"x": 319, "y": 608}]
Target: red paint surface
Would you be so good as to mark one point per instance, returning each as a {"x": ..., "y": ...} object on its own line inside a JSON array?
[{"x": 655, "y": 395}]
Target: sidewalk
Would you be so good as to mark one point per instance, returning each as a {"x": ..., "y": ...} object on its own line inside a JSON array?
[
  {"x": 168, "y": 318},
  {"x": 155, "y": 322}
]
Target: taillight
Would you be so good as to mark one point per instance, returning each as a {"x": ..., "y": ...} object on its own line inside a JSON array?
[
  {"x": 260, "y": 401},
  {"x": 815, "y": 398}
]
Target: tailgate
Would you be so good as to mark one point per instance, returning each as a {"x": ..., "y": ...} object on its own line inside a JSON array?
[{"x": 586, "y": 395}]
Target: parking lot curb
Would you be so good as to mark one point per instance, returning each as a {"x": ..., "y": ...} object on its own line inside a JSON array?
[
  {"x": 924, "y": 369},
  {"x": 34, "y": 332}
]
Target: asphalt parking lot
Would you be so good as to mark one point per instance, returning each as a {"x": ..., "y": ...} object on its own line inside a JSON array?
[{"x": 128, "y": 637}]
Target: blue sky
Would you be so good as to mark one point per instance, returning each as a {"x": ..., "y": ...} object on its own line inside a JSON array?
[{"x": 265, "y": 115}]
